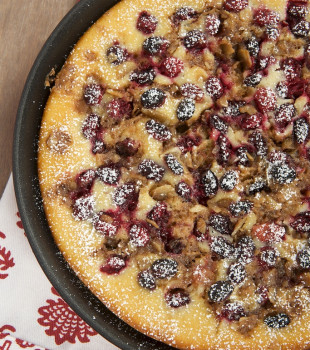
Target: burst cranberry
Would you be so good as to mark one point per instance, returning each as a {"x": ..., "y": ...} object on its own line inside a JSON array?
[
  {"x": 245, "y": 250},
  {"x": 98, "y": 146},
  {"x": 191, "y": 91},
  {"x": 171, "y": 67},
  {"x": 139, "y": 235},
  {"x": 118, "y": 108},
  {"x": 127, "y": 147},
  {"x": 93, "y": 94},
  {"x": 187, "y": 142},
  {"x": 153, "y": 98},
  {"x": 303, "y": 258},
  {"x": 250, "y": 122},
  {"x": 86, "y": 178},
  {"x": 105, "y": 228},
  {"x": 83, "y": 207},
  {"x": 240, "y": 208},
  {"x": 268, "y": 232},
  {"x": 146, "y": 280},
  {"x": 235, "y": 5},
  {"x": 265, "y": 17},
  {"x": 91, "y": 126},
  {"x": 214, "y": 88},
  {"x": 301, "y": 29},
  {"x": 284, "y": 114},
  {"x": 155, "y": 45},
  {"x": 159, "y": 214},
  {"x": 265, "y": 99},
  {"x": 109, "y": 174},
  {"x": 151, "y": 170},
  {"x": 177, "y": 297},
  {"x": 301, "y": 130},
  {"x": 232, "y": 311},
  {"x": 195, "y": 40},
  {"x": 186, "y": 109},
  {"x": 173, "y": 164},
  {"x": 210, "y": 183},
  {"x": 117, "y": 55},
  {"x": 278, "y": 157},
  {"x": 164, "y": 268},
  {"x": 267, "y": 257},
  {"x": 143, "y": 77},
  {"x": 159, "y": 131},
  {"x": 221, "y": 223},
  {"x": 222, "y": 247},
  {"x": 218, "y": 123},
  {"x": 220, "y": 291},
  {"x": 224, "y": 151},
  {"x": 252, "y": 46},
  {"x": 301, "y": 222},
  {"x": 126, "y": 196},
  {"x": 114, "y": 264},
  {"x": 296, "y": 88},
  {"x": 253, "y": 80},
  {"x": 297, "y": 10},
  {"x": 174, "y": 246},
  {"x": 259, "y": 142},
  {"x": 146, "y": 23},
  {"x": 184, "y": 191},
  {"x": 291, "y": 68},
  {"x": 183, "y": 14},
  {"x": 236, "y": 273},
  {"x": 212, "y": 24}
]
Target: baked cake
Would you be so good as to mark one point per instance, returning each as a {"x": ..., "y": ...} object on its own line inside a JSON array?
[{"x": 174, "y": 167}]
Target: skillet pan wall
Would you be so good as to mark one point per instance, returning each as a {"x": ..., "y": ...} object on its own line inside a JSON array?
[{"x": 29, "y": 201}]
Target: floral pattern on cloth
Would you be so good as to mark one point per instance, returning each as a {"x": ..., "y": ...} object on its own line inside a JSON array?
[{"x": 33, "y": 316}]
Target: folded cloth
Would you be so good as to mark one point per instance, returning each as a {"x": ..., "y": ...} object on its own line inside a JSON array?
[{"x": 31, "y": 311}]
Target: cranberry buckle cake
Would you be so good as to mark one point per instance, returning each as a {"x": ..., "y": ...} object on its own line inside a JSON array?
[{"x": 174, "y": 167}]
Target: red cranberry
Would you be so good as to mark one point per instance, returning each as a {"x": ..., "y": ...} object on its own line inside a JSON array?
[
  {"x": 222, "y": 247},
  {"x": 245, "y": 250},
  {"x": 284, "y": 114},
  {"x": 159, "y": 214},
  {"x": 93, "y": 94},
  {"x": 119, "y": 108},
  {"x": 210, "y": 183},
  {"x": 232, "y": 311},
  {"x": 127, "y": 147},
  {"x": 277, "y": 321},
  {"x": 220, "y": 291},
  {"x": 267, "y": 257},
  {"x": 301, "y": 29},
  {"x": 224, "y": 151},
  {"x": 301, "y": 222},
  {"x": 264, "y": 62},
  {"x": 297, "y": 10},
  {"x": 109, "y": 174},
  {"x": 164, "y": 268},
  {"x": 218, "y": 123},
  {"x": 114, "y": 265},
  {"x": 187, "y": 142},
  {"x": 214, "y": 88},
  {"x": 229, "y": 180},
  {"x": 301, "y": 130},
  {"x": 177, "y": 297},
  {"x": 191, "y": 91},
  {"x": 265, "y": 99},
  {"x": 186, "y": 109},
  {"x": 105, "y": 228},
  {"x": 173, "y": 164},
  {"x": 264, "y": 17},
  {"x": 153, "y": 98},
  {"x": 83, "y": 207},
  {"x": 195, "y": 40},
  {"x": 303, "y": 258},
  {"x": 146, "y": 23},
  {"x": 282, "y": 89},
  {"x": 236, "y": 273},
  {"x": 171, "y": 67},
  {"x": 151, "y": 170},
  {"x": 117, "y": 55},
  {"x": 139, "y": 235},
  {"x": 146, "y": 280},
  {"x": 278, "y": 157},
  {"x": 296, "y": 88},
  {"x": 184, "y": 191},
  {"x": 126, "y": 196},
  {"x": 252, "y": 46},
  {"x": 259, "y": 142},
  {"x": 221, "y": 223},
  {"x": 269, "y": 232},
  {"x": 143, "y": 77},
  {"x": 253, "y": 80},
  {"x": 250, "y": 122},
  {"x": 155, "y": 45},
  {"x": 86, "y": 178},
  {"x": 291, "y": 68},
  {"x": 91, "y": 126},
  {"x": 159, "y": 131},
  {"x": 183, "y": 14},
  {"x": 235, "y": 5},
  {"x": 240, "y": 208},
  {"x": 212, "y": 24}
]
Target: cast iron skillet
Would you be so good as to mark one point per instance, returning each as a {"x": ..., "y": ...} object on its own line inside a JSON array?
[{"x": 34, "y": 97}]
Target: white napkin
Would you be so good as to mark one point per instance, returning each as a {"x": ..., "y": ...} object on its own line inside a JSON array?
[{"x": 31, "y": 311}]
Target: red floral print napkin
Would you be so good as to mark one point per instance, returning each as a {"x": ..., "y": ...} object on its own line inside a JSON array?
[{"x": 32, "y": 314}]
